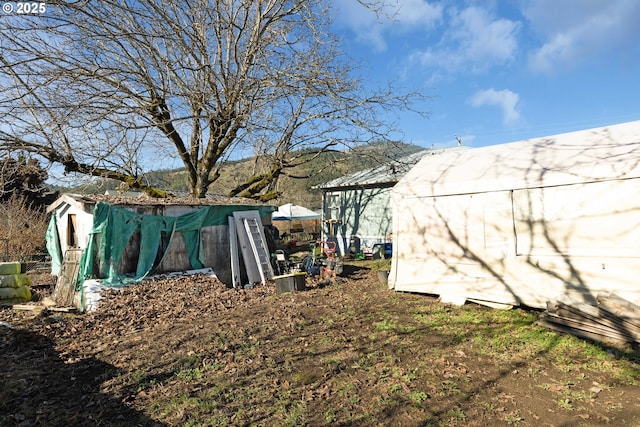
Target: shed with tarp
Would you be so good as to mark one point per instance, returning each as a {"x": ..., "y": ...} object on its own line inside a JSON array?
[
  {"x": 124, "y": 239},
  {"x": 523, "y": 222}
]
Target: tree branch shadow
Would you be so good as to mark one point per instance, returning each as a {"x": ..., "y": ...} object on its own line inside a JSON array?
[{"x": 41, "y": 386}]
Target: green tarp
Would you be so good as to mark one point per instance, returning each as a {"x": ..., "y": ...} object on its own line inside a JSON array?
[
  {"x": 113, "y": 227},
  {"x": 53, "y": 245}
]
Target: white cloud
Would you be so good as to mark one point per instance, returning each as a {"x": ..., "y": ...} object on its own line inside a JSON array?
[
  {"x": 574, "y": 30},
  {"x": 506, "y": 100},
  {"x": 370, "y": 28},
  {"x": 474, "y": 39},
  {"x": 418, "y": 12},
  {"x": 362, "y": 22}
]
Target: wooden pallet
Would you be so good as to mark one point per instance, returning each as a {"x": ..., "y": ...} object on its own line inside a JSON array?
[
  {"x": 613, "y": 319},
  {"x": 64, "y": 292}
]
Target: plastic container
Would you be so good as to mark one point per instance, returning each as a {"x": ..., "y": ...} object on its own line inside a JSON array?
[
  {"x": 382, "y": 250},
  {"x": 354, "y": 245},
  {"x": 290, "y": 282}
]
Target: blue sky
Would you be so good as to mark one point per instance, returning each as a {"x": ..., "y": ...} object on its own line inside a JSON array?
[{"x": 502, "y": 70}]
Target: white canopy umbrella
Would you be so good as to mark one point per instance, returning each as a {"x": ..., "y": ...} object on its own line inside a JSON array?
[{"x": 291, "y": 212}]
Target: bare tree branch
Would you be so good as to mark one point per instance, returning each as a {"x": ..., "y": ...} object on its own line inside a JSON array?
[{"x": 112, "y": 88}]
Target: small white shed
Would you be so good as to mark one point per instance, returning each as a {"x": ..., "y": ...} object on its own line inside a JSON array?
[{"x": 524, "y": 222}]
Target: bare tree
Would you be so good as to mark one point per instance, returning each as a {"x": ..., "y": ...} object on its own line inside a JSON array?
[
  {"x": 25, "y": 178},
  {"x": 22, "y": 228},
  {"x": 111, "y": 88}
]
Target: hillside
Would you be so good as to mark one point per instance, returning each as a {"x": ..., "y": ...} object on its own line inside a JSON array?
[{"x": 300, "y": 191}]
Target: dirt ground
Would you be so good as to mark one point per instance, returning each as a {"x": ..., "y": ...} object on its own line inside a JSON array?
[{"x": 189, "y": 352}]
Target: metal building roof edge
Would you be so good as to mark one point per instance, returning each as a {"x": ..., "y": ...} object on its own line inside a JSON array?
[{"x": 389, "y": 173}]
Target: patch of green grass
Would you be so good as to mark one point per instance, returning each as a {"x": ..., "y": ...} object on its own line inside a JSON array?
[
  {"x": 295, "y": 415},
  {"x": 457, "y": 413},
  {"x": 215, "y": 420},
  {"x": 365, "y": 361},
  {"x": 330, "y": 416},
  {"x": 513, "y": 419},
  {"x": 448, "y": 388},
  {"x": 381, "y": 264},
  {"x": 385, "y": 325},
  {"x": 488, "y": 406},
  {"x": 334, "y": 364},
  {"x": 407, "y": 377},
  {"x": 349, "y": 394},
  {"x": 418, "y": 397},
  {"x": 582, "y": 396},
  {"x": 190, "y": 374},
  {"x": 179, "y": 406},
  {"x": 329, "y": 320},
  {"x": 395, "y": 388},
  {"x": 221, "y": 391},
  {"x": 306, "y": 378},
  {"x": 565, "y": 403}
]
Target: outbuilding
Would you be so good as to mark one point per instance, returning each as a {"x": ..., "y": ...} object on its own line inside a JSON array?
[
  {"x": 124, "y": 239},
  {"x": 355, "y": 208},
  {"x": 523, "y": 223}
]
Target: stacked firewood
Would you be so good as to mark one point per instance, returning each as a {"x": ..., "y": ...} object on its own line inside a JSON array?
[{"x": 611, "y": 319}]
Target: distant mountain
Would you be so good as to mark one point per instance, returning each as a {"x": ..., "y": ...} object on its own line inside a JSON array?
[{"x": 328, "y": 166}]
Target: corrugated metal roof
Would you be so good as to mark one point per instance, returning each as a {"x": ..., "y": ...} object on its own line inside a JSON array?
[{"x": 387, "y": 174}]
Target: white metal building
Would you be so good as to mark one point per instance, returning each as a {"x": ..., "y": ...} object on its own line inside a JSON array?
[{"x": 524, "y": 222}]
